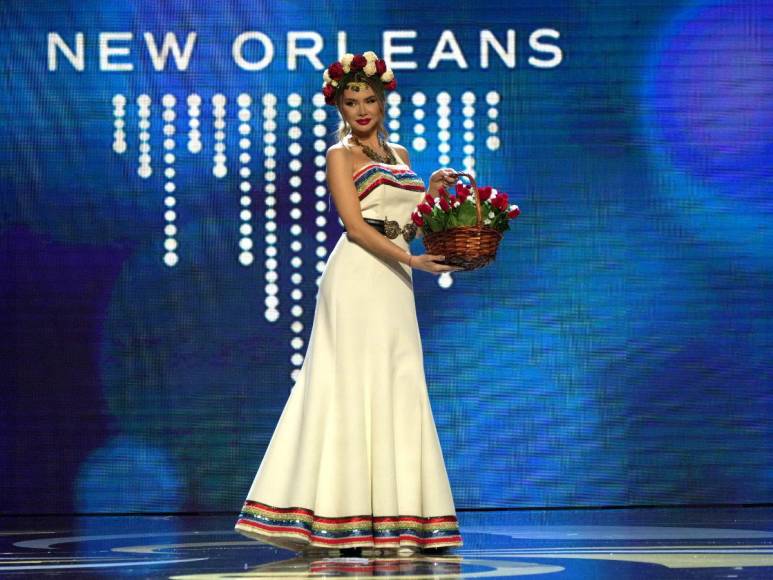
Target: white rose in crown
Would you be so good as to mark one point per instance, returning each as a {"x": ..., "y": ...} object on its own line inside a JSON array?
[
  {"x": 370, "y": 68},
  {"x": 326, "y": 77},
  {"x": 387, "y": 76},
  {"x": 346, "y": 62},
  {"x": 370, "y": 56}
]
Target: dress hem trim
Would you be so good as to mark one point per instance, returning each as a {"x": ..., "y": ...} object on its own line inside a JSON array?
[{"x": 296, "y": 527}]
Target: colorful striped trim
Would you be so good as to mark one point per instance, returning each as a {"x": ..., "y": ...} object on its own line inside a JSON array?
[
  {"x": 259, "y": 519},
  {"x": 375, "y": 174},
  {"x": 371, "y": 165}
]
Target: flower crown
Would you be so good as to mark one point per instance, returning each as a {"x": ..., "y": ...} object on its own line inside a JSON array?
[{"x": 367, "y": 62}]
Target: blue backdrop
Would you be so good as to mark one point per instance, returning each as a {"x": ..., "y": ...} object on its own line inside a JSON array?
[{"x": 165, "y": 221}]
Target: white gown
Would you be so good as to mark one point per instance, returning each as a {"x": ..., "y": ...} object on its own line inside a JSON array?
[{"x": 355, "y": 458}]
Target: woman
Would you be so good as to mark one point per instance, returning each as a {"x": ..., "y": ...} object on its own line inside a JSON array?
[{"x": 355, "y": 460}]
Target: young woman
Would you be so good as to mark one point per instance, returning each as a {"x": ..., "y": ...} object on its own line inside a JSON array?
[{"x": 355, "y": 460}]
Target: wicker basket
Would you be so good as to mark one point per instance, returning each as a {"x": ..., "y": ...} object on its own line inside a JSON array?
[{"x": 467, "y": 247}]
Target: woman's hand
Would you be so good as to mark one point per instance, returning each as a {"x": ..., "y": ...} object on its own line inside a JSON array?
[
  {"x": 429, "y": 263},
  {"x": 442, "y": 177}
]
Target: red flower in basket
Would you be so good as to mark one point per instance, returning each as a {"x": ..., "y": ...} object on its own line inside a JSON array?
[
  {"x": 462, "y": 192},
  {"x": 429, "y": 200},
  {"x": 444, "y": 205},
  {"x": 425, "y": 209},
  {"x": 515, "y": 212},
  {"x": 417, "y": 219},
  {"x": 485, "y": 192},
  {"x": 500, "y": 202}
]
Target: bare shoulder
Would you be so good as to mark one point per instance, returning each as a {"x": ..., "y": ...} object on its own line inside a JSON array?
[
  {"x": 402, "y": 152},
  {"x": 338, "y": 157}
]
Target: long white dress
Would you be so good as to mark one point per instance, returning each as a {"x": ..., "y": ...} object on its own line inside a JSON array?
[{"x": 355, "y": 458}]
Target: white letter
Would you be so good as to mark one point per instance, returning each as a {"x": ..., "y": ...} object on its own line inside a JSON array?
[
  {"x": 389, "y": 50},
  {"x": 105, "y": 51},
  {"x": 268, "y": 47},
  {"x": 293, "y": 52},
  {"x": 170, "y": 43},
  {"x": 341, "y": 44},
  {"x": 487, "y": 39},
  {"x": 447, "y": 38},
  {"x": 538, "y": 46},
  {"x": 77, "y": 59}
]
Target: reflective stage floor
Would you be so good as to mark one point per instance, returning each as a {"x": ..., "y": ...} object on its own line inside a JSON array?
[{"x": 568, "y": 544}]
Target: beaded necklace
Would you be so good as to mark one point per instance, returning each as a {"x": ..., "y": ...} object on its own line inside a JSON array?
[{"x": 389, "y": 158}]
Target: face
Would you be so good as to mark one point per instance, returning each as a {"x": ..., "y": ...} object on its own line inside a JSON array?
[{"x": 361, "y": 109}]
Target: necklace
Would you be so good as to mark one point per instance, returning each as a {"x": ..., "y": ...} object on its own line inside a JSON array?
[{"x": 389, "y": 158}]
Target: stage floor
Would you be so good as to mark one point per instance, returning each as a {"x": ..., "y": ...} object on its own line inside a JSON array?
[{"x": 568, "y": 544}]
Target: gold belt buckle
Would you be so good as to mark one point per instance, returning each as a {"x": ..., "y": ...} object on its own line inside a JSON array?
[
  {"x": 392, "y": 229},
  {"x": 409, "y": 231}
]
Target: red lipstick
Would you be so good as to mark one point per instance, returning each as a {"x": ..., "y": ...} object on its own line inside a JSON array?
[{"x": 363, "y": 121}]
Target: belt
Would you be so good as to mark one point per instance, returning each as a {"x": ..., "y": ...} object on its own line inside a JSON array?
[{"x": 391, "y": 229}]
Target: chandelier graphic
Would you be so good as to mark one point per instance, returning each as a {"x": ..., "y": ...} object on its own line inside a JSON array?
[{"x": 276, "y": 146}]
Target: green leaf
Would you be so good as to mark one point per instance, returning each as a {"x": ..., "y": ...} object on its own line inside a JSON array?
[
  {"x": 466, "y": 214},
  {"x": 435, "y": 222},
  {"x": 442, "y": 217}
]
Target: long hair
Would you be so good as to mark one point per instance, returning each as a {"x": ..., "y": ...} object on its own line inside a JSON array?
[{"x": 374, "y": 82}]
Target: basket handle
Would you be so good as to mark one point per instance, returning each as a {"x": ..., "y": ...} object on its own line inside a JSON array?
[{"x": 475, "y": 191}]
